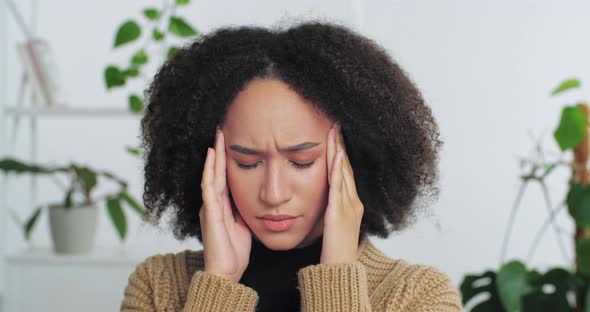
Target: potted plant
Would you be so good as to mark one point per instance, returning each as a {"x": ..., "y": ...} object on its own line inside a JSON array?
[
  {"x": 73, "y": 219},
  {"x": 514, "y": 287}
]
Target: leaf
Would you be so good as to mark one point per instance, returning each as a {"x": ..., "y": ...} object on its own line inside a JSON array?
[
  {"x": 180, "y": 27},
  {"x": 578, "y": 204},
  {"x": 117, "y": 216},
  {"x": 131, "y": 72},
  {"x": 512, "y": 285},
  {"x": 171, "y": 52},
  {"x": 139, "y": 58},
  {"x": 566, "y": 85},
  {"x": 114, "y": 77},
  {"x": 583, "y": 256},
  {"x": 30, "y": 224},
  {"x": 182, "y": 2},
  {"x": 561, "y": 282},
  {"x": 11, "y": 165},
  {"x": 133, "y": 151},
  {"x": 138, "y": 208},
  {"x": 135, "y": 103},
  {"x": 128, "y": 32},
  {"x": 151, "y": 14},
  {"x": 86, "y": 176},
  {"x": 572, "y": 128},
  {"x": 473, "y": 285},
  {"x": 157, "y": 35}
]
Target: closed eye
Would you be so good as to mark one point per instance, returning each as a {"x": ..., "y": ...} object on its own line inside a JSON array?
[{"x": 294, "y": 164}]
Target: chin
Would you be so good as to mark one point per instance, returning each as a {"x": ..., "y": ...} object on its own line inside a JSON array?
[{"x": 280, "y": 242}]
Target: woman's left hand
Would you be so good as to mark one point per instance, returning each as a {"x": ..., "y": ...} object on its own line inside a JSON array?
[{"x": 344, "y": 212}]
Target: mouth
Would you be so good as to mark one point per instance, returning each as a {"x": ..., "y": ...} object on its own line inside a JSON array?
[
  {"x": 277, "y": 217},
  {"x": 278, "y": 223}
]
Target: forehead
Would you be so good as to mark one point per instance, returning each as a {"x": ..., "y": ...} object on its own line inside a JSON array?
[{"x": 269, "y": 108}]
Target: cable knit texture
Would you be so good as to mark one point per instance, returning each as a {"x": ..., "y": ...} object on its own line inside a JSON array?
[{"x": 374, "y": 282}]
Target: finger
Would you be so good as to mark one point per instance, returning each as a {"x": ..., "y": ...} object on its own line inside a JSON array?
[
  {"x": 346, "y": 163},
  {"x": 207, "y": 187},
  {"x": 220, "y": 182},
  {"x": 331, "y": 151},
  {"x": 340, "y": 142},
  {"x": 336, "y": 186}
]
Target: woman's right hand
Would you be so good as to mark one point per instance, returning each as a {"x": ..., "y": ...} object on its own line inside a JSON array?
[{"x": 226, "y": 238}]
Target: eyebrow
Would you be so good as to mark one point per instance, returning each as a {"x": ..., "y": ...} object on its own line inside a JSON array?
[{"x": 290, "y": 149}]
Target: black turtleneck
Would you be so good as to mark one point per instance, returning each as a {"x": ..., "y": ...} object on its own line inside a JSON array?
[{"x": 273, "y": 274}]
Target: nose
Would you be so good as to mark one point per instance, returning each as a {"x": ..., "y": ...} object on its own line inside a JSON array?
[{"x": 274, "y": 190}]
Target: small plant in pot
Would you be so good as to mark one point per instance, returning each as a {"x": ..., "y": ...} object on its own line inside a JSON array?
[{"x": 73, "y": 220}]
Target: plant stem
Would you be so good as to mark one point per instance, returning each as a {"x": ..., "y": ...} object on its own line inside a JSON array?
[
  {"x": 511, "y": 219},
  {"x": 543, "y": 229}
]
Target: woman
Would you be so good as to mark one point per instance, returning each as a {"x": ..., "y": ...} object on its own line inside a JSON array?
[{"x": 318, "y": 140}]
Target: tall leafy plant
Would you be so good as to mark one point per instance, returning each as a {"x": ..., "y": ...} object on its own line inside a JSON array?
[
  {"x": 156, "y": 27},
  {"x": 514, "y": 287}
]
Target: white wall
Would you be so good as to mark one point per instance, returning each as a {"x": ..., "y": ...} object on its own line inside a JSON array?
[{"x": 486, "y": 69}]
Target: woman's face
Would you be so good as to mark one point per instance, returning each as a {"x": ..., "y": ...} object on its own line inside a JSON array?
[{"x": 265, "y": 178}]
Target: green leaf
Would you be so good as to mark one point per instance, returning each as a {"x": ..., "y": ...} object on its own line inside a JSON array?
[
  {"x": 151, "y": 14},
  {"x": 182, "y": 2},
  {"x": 134, "y": 204},
  {"x": 11, "y": 165},
  {"x": 566, "y": 85},
  {"x": 30, "y": 224},
  {"x": 587, "y": 307},
  {"x": 171, "y": 52},
  {"x": 473, "y": 285},
  {"x": 578, "y": 204},
  {"x": 135, "y": 103},
  {"x": 128, "y": 32},
  {"x": 583, "y": 256},
  {"x": 512, "y": 285},
  {"x": 131, "y": 72},
  {"x": 133, "y": 151},
  {"x": 114, "y": 77},
  {"x": 180, "y": 27},
  {"x": 86, "y": 177},
  {"x": 117, "y": 216},
  {"x": 541, "y": 300},
  {"x": 157, "y": 35},
  {"x": 139, "y": 58},
  {"x": 68, "y": 199},
  {"x": 571, "y": 129}
]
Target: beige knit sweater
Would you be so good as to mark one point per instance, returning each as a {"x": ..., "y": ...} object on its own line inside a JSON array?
[{"x": 374, "y": 282}]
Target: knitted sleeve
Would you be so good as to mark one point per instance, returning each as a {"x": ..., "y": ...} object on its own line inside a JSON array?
[
  {"x": 343, "y": 287},
  {"x": 434, "y": 292},
  {"x": 334, "y": 287},
  {"x": 207, "y": 292}
]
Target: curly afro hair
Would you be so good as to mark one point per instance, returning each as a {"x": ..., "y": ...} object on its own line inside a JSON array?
[{"x": 348, "y": 77}]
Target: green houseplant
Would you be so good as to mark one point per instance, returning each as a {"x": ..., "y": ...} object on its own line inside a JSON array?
[
  {"x": 162, "y": 28},
  {"x": 514, "y": 287},
  {"x": 77, "y": 194}
]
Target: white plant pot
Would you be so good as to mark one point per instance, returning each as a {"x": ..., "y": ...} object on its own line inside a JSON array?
[{"x": 73, "y": 230}]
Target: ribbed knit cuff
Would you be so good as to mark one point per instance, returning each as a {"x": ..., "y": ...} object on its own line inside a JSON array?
[
  {"x": 209, "y": 292},
  {"x": 334, "y": 287}
]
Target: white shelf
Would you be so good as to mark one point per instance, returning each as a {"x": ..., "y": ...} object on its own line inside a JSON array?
[
  {"x": 70, "y": 111},
  {"x": 99, "y": 256}
]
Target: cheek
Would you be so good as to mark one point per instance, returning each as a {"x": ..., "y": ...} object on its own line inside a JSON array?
[
  {"x": 312, "y": 188},
  {"x": 239, "y": 188}
]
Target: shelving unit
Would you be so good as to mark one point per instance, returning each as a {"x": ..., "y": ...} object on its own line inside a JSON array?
[{"x": 108, "y": 267}]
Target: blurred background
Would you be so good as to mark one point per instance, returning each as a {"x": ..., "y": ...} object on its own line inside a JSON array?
[{"x": 72, "y": 75}]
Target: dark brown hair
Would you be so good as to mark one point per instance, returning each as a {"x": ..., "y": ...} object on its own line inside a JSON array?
[{"x": 391, "y": 136}]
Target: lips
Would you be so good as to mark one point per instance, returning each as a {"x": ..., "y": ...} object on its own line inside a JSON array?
[{"x": 277, "y": 217}]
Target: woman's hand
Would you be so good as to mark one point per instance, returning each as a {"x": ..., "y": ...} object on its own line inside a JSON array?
[
  {"x": 344, "y": 212},
  {"x": 226, "y": 238}
]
